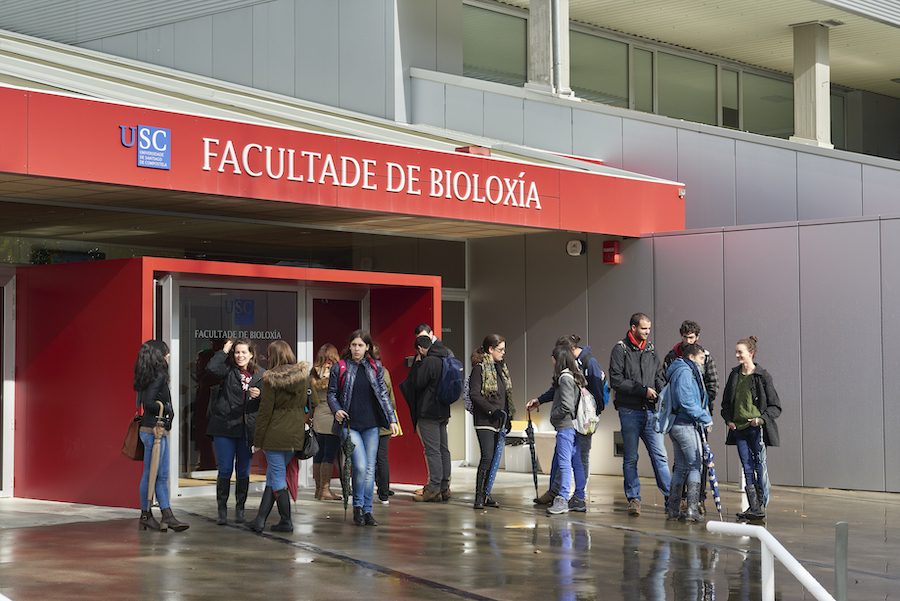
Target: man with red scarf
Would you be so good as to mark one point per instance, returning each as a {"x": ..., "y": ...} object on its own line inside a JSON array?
[{"x": 637, "y": 376}]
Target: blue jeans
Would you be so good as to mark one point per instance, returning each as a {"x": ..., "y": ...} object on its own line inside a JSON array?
[
  {"x": 161, "y": 489},
  {"x": 583, "y": 443},
  {"x": 748, "y": 448},
  {"x": 636, "y": 426},
  {"x": 569, "y": 463},
  {"x": 363, "y": 460},
  {"x": 275, "y": 472},
  {"x": 229, "y": 450},
  {"x": 686, "y": 448}
]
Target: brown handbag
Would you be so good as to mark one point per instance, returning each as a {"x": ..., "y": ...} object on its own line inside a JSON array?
[{"x": 133, "y": 447}]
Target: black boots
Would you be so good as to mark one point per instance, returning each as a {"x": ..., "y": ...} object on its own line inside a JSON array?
[
  {"x": 756, "y": 511},
  {"x": 147, "y": 521},
  {"x": 265, "y": 508},
  {"x": 223, "y": 487},
  {"x": 283, "y": 501},
  {"x": 693, "y": 499},
  {"x": 241, "y": 487},
  {"x": 358, "y": 517},
  {"x": 480, "y": 481},
  {"x": 674, "y": 503},
  {"x": 168, "y": 521}
]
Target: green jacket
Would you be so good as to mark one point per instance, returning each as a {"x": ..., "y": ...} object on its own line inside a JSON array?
[{"x": 286, "y": 391}]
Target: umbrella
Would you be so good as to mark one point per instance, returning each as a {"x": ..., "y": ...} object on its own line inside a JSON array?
[
  {"x": 158, "y": 431},
  {"x": 498, "y": 453},
  {"x": 763, "y": 472},
  {"x": 529, "y": 434},
  {"x": 711, "y": 469},
  {"x": 347, "y": 447},
  {"x": 292, "y": 474}
]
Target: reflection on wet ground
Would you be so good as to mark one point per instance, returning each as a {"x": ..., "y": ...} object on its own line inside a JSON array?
[{"x": 444, "y": 551}]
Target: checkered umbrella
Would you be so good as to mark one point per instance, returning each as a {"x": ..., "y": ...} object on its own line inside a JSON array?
[{"x": 711, "y": 469}]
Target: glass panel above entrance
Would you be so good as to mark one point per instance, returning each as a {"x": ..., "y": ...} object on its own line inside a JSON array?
[{"x": 209, "y": 316}]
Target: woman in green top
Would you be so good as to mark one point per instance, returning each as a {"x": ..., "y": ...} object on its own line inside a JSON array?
[{"x": 749, "y": 407}]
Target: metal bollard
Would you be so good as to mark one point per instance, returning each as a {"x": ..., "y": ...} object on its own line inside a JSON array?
[{"x": 841, "y": 544}]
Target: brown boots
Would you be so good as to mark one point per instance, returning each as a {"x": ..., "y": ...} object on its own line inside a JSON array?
[{"x": 324, "y": 483}]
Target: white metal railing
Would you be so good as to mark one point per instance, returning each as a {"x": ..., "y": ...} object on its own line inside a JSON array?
[{"x": 770, "y": 549}]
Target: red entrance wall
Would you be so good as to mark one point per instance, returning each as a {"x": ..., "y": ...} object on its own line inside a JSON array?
[{"x": 78, "y": 328}]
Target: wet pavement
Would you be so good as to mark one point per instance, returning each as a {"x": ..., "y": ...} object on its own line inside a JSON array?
[{"x": 444, "y": 550}]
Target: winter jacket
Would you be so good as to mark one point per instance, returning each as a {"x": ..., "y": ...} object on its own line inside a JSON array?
[
  {"x": 632, "y": 371},
  {"x": 688, "y": 396},
  {"x": 420, "y": 387},
  {"x": 764, "y": 397},
  {"x": 708, "y": 371},
  {"x": 597, "y": 383},
  {"x": 157, "y": 390},
  {"x": 323, "y": 419},
  {"x": 231, "y": 412},
  {"x": 340, "y": 390},
  {"x": 286, "y": 390},
  {"x": 565, "y": 402},
  {"x": 486, "y": 411}
]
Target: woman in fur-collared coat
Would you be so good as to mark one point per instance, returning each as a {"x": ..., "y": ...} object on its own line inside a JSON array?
[{"x": 280, "y": 429}]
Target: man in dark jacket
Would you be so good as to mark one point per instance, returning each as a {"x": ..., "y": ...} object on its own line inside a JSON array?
[
  {"x": 637, "y": 376},
  {"x": 690, "y": 332},
  {"x": 430, "y": 416}
]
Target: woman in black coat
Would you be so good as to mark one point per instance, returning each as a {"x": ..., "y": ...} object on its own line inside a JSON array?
[
  {"x": 750, "y": 406},
  {"x": 232, "y": 420}
]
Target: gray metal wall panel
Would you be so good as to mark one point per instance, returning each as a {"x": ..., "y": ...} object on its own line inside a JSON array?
[
  {"x": 233, "y": 46},
  {"x": 708, "y": 163},
  {"x": 317, "y": 38},
  {"x": 890, "y": 332},
  {"x": 273, "y": 47},
  {"x": 125, "y": 45},
  {"x": 449, "y": 37},
  {"x": 193, "y": 46},
  {"x": 428, "y": 102},
  {"x": 92, "y": 45},
  {"x": 843, "y": 445},
  {"x": 157, "y": 45},
  {"x": 504, "y": 118},
  {"x": 465, "y": 110},
  {"x": 650, "y": 149},
  {"x": 548, "y": 126},
  {"x": 418, "y": 32},
  {"x": 762, "y": 299},
  {"x": 880, "y": 188},
  {"x": 597, "y": 135},
  {"x": 363, "y": 50},
  {"x": 828, "y": 188},
  {"x": 766, "y": 184}
]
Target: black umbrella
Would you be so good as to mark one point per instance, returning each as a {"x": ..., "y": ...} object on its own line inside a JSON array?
[
  {"x": 347, "y": 447},
  {"x": 529, "y": 435},
  {"x": 711, "y": 469}
]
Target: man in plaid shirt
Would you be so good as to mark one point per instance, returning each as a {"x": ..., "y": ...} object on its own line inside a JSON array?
[{"x": 690, "y": 332}]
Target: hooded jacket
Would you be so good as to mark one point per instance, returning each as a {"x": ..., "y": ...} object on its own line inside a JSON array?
[
  {"x": 565, "y": 401},
  {"x": 286, "y": 390},
  {"x": 764, "y": 397},
  {"x": 232, "y": 412},
  {"x": 708, "y": 371},
  {"x": 632, "y": 371}
]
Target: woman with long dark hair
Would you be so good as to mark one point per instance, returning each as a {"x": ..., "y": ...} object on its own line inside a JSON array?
[
  {"x": 358, "y": 398},
  {"x": 286, "y": 393},
  {"x": 490, "y": 388},
  {"x": 750, "y": 406},
  {"x": 567, "y": 383},
  {"x": 323, "y": 421},
  {"x": 232, "y": 420},
  {"x": 151, "y": 381}
]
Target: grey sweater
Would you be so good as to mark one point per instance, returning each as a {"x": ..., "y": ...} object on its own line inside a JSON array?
[{"x": 565, "y": 400}]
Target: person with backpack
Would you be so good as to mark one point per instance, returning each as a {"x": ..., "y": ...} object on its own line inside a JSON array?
[
  {"x": 358, "y": 398},
  {"x": 566, "y": 382},
  {"x": 686, "y": 396},
  {"x": 430, "y": 415},
  {"x": 490, "y": 389},
  {"x": 599, "y": 389}
]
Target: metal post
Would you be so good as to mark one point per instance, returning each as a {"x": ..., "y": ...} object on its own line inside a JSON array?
[
  {"x": 767, "y": 567},
  {"x": 841, "y": 544}
]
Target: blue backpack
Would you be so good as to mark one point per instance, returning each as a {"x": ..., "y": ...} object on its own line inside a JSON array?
[
  {"x": 665, "y": 413},
  {"x": 450, "y": 386}
]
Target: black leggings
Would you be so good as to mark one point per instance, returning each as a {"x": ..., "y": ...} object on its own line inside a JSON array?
[{"x": 487, "y": 440}]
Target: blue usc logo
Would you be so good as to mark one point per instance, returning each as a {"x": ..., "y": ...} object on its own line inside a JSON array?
[
  {"x": 242, "y": 309},
  {"x": 154, "y": 145}
]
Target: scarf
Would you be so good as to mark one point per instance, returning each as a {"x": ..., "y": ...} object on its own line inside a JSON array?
[
  {"x": 634, "y": 341},
  {"x": 489, "y": 382}
]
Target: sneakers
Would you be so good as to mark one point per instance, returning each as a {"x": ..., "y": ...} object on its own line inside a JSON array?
[
  {"x": 383, "y": 499},
  {"x": 634, "y": 507},
  {"x": 577, "y": 504},
  {"x": 560, "y": 505}
]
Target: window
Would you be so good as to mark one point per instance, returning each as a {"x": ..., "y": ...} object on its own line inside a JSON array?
[
  {"x": 599, "y": 69},
  {"x": 838, "y": 129},
  {"x": 686, "y": 88},
  {"x": 768, "y": 106},
  {"x": 495, "y": 46},
  {"x": 643, "y": 80},
  {"x": 730, "y": 106}
]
